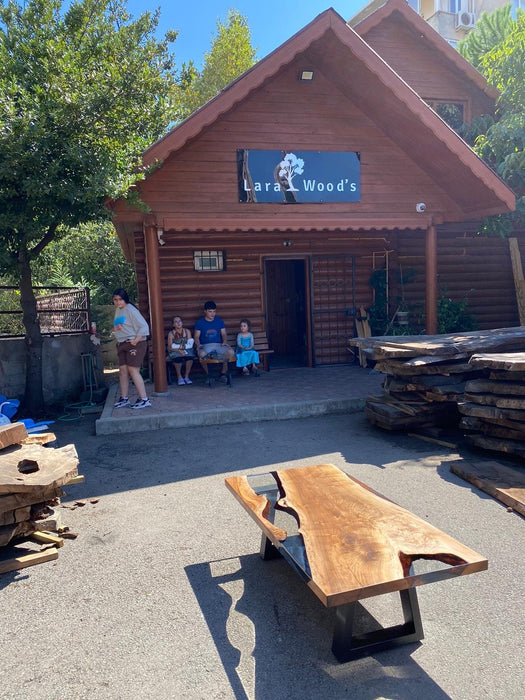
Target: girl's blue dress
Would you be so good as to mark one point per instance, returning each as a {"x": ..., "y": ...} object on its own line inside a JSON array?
[{"x": 246, "y": 357}]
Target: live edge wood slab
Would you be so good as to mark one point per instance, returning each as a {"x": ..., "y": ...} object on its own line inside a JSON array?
[{"x": 357, "y": 544}]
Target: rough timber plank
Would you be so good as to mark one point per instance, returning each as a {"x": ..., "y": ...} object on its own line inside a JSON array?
[
  {"x": 511, "y": 447},
  {"x": 12, "y": 434},
  {"x": 12, "y": 501},
  {"x": 510, "y": 361},
  {"x": 502, "y": 482},
  {"x": 449, "y": 345},
  {"x": 492, "y": 386},
  {"x": 43, "y": 467},
  {"x": 358, "y": 543}
]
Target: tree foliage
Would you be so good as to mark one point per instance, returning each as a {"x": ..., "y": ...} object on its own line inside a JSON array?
[
  {"x": 497, "y": 47},
  {"x": 491, "y": 29},
  {"x": 231, "y": 54},
  {"x": 84, "y": 89},
  {"x": 88, "y": 256}
]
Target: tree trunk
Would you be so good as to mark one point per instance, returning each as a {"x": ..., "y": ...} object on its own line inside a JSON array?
[{"x": 33, "y": 402}]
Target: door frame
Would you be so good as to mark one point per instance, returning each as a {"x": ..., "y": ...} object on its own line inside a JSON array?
[{"x": 305, "y": 258}]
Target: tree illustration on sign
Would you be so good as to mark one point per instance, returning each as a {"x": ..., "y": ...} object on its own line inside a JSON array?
[{"x": 291, "y": 166}]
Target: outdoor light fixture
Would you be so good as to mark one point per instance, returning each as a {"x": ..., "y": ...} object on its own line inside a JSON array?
[
  {"x": 160, "y": 233},
  {"x": 306, "y": 75}
]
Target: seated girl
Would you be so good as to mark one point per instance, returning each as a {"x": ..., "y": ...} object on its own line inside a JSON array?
[
  {"x": 247, "y": 356},
  {"x": 180, "y": 351}
]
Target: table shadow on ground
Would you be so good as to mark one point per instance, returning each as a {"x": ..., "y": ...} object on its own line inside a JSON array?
[{"x": 274, "y": 638}]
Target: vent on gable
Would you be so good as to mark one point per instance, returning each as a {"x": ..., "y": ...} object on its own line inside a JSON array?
[{"x": 465, "y": 20}]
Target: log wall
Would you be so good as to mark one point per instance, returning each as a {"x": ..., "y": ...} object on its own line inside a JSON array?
[
  {"x": 427, "y": 71},
  {"x": 468, "y": 264},
  {"x": 239, "y": 290}
]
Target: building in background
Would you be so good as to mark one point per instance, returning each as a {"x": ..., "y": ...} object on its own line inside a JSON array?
[{"x": 452, "y": 19}]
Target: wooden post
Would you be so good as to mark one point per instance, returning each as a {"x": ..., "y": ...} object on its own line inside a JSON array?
[
  {"x": 519, "y": 283},
  {"x": 155, "y": 307},
  {"x": 431, "y": 280}
]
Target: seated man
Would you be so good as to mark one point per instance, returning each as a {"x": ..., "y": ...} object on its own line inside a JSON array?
[{"x": 210, "y": 339}]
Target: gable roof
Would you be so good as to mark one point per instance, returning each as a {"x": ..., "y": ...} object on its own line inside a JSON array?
[
  {"x": 381, "y": 10},
  {"x": 361, "y": 74}
]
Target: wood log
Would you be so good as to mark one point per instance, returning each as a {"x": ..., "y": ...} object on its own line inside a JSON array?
[{"x": 12, "y": 434}]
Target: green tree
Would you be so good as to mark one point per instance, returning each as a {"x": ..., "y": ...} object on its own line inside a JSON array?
[
  {"x": 87, "y": 256},
  {"x": 231, "y": 54},
  {"x": 84, "y": 89},
  {"x": 491, "y": 29},
  {"x": 499, "y": 54}
]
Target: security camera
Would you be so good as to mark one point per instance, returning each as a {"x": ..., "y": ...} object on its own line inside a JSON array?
[{"x": 421, "y": 207}]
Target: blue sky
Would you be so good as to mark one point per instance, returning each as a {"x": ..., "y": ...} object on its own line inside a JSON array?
[{"x": 271, "y": 21}]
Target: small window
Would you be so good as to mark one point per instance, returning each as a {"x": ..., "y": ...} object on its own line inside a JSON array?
[
  {"x": 451, "y": 112},
  {"x": 208, "y": 260}
]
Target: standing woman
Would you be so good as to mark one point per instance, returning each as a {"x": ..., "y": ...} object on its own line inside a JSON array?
[{"x": 130, "y": 330}]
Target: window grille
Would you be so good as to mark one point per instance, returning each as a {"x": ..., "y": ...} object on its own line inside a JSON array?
[{"x": 208, "y": 260}]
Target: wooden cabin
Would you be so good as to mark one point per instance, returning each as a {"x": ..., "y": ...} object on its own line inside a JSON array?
[{"x": 279, "y": 197}]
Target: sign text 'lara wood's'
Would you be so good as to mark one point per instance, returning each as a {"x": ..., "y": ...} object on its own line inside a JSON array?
[{"x": 301, "y": 176}]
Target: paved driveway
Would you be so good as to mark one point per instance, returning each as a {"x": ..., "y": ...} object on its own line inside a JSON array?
[{"x": 164, "y": 596}]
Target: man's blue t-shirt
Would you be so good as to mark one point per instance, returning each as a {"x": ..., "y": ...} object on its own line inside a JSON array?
[{"x": 210, "y": 330}]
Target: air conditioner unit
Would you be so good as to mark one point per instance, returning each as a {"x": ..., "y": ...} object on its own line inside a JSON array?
[{"x": 465, "y": 20}]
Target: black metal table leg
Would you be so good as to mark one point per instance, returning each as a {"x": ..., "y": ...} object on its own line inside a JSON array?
[
  {"x": 347, "y": 646},
  {"x": 268, "y": 549}
]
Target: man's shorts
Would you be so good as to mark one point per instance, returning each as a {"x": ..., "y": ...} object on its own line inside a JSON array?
[
  {"x": 222, "y": 352},
  {"x": 131, "y": 355}
]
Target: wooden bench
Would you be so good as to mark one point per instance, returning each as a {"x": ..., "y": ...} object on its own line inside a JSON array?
[
  {"x": 352, "y": 543},
  {"x": 260, "y": 344}
]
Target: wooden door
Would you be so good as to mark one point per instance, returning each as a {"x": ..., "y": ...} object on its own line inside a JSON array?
[{"x": 286, "y": 311}]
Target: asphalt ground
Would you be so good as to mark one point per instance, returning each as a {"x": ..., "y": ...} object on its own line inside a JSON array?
[{"x": 163, "y": 594}]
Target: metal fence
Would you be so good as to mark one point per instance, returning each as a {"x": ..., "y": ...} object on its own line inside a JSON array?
[{"x": 61, "y": 310}]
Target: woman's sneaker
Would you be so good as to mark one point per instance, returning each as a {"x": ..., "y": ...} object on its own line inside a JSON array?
[
  {"x": 123, "y": 401},
  {"x": 141, "y": 403}
]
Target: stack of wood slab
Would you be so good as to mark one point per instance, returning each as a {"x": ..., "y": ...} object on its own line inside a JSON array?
[
  {"x": 31, "y": 477},
  {"x": 427, "y": 375},
  {"x": 493, "y": 408}
]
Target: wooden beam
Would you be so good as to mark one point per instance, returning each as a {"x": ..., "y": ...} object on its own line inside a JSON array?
[
  {"x": 155, "y": 306},
  {"x": 25, "y": 560},
  {"x": 431, "y": 280},
  {"x": 517, "y": 271}
]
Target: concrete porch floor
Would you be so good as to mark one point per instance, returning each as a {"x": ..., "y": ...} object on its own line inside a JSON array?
[{"x": 276, "y": 395}]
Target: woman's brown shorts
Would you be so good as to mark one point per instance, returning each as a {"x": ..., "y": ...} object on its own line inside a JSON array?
[{"x": 131, "y": 355}]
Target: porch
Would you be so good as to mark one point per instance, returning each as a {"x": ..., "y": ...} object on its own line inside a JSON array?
[{"x": 277, "y": 395}]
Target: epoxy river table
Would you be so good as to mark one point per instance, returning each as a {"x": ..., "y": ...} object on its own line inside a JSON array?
[{"x": 351, "y": 543}]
